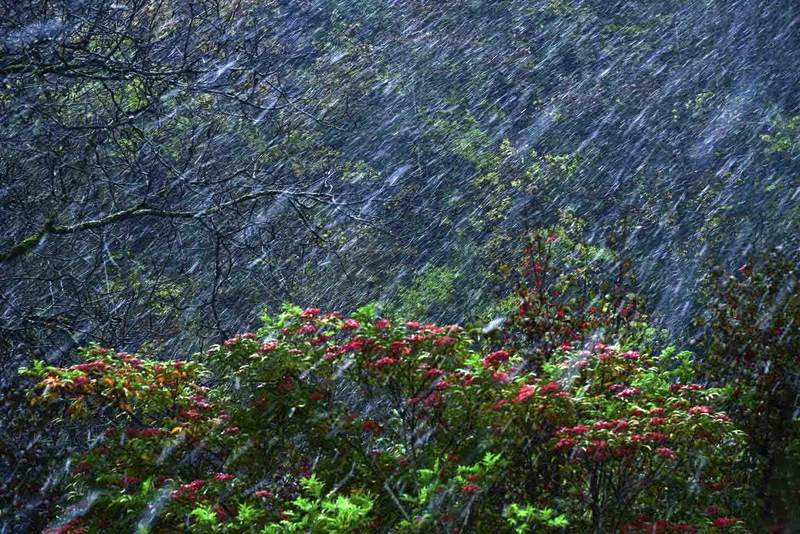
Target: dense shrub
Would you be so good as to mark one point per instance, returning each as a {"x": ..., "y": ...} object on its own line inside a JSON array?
[
  {"x": 324, "y": 423},
  {"x": 751, "y": 340}
]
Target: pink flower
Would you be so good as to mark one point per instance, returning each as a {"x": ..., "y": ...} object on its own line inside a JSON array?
[
  {"x": 351, "y": 324},
  {"x": 224, "y": 477},
  {"x": 309, "y": 312},
  {"x": 307, "y": 329},
  {"x": 725, "y": 521},
  {"x": 694, "y": 410},
  {"x": 412, "y": 325},
  {"x": 434, "y": 372},
  {"x": 356, "y": 344},
  {"x": 386, "y": 360},
  {"x": 525, "y": 392},
  {"x": 657, "y": 421},
  {"x": 625, "y": 392},
  {"x": 382, "y": 324},
  {"x": 263, "y": 494},
  {"x": 441, "y": 384},
  {"x": 666, "y": 452}
]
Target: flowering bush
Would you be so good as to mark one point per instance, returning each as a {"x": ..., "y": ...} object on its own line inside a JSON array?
[
  {"x": 319, "y": 422},
  {"x": 409, "y": 426}
]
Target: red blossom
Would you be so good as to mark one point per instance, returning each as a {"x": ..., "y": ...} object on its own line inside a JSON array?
[
  {"x": 444, "y": 341},
  {"x": 524, "y": 393},
  {"x": 499, "y": 376},
  {"x": 655, "y": 436},
  {"x": 631, "y": 355},
  {"x": 434, "y": 399},
  {"x": 228, "y": 343},
  {"x": 90, "y": 366},
  {"x": 268, "y": 346},
  {"x": 351, "y": 324},
  {"x": 371, "y": 425},
  {"x": 550, "y": 387},
  {"x": 399, "y": 348},
  {"x": 471, "y": 488},
  {"x": 82, "y": 467},
  {"x": 603, "y": 425},
  {"x": 575, "y": 430},
  {"x": 287, "y": 384},
  {"x": 382, "y": 324},
  {"x": 499, "y": 403},
  {"x": 81, "y": 380},
  {"x": 496, "y": 358},
  {"x": 713, "y": 510},
  {"x": 307, "y": 329},
  {"x": 309, "y": 312},
  {"x": 565, "y": 443},
  {"x": 224, "y": 477},
  {"x": 666, "y": 452}
]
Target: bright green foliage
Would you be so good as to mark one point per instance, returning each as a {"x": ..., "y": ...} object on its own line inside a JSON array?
[
  {"x": 431, "y": 288},
  {"x": 524, "y": 519}
]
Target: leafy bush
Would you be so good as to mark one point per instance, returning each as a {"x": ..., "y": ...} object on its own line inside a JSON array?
[
  {"x": 751, "y": 336},
  {"x": 324, "y": 423}
]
